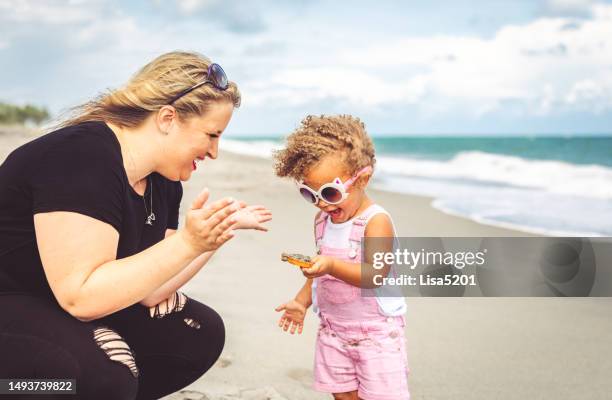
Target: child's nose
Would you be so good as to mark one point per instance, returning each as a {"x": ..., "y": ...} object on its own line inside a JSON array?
[{"x": 321, "y": 204}]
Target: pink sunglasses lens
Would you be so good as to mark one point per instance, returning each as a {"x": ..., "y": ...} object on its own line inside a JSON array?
[
  {"x": 308, "y": 196},
  {"x": 331, "y": 195}
]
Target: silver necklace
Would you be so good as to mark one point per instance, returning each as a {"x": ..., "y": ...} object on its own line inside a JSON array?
[{"x": 151, "y": 216}]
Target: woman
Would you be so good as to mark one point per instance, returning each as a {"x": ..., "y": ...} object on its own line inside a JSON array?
[{"x": 90, "y": 255}]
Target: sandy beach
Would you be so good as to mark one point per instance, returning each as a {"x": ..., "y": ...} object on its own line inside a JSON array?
[
  {"x": 463, "y": 348},
  {"x": 458, "y": 348}
]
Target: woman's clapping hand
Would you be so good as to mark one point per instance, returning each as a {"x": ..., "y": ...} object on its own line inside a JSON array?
[{"x": 208, "y": 226}]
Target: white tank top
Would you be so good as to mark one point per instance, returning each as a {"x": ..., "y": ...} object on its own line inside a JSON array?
[{"x": 337, "y": 236}]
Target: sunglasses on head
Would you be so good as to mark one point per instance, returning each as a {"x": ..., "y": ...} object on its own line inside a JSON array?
[
  {"x": 215, "y": 76},
  {"x": 332, "y": 193}
]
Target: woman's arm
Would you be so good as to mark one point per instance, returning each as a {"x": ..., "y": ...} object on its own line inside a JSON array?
[
  {"x": 250, "y": 217},
  {"x": 174, "y": 284},
  {"x": 78, "y": 255}
]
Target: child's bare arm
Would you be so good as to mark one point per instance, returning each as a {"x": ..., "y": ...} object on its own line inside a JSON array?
[
  {"x": 304, "y": 296},
  {"x": 352, "y": 273}
]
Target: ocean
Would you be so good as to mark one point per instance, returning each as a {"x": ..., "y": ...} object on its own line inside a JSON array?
[{"x": 560, "y": 186}]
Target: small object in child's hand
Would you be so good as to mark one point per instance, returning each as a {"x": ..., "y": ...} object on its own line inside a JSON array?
[{"x": 300, "y": 260}]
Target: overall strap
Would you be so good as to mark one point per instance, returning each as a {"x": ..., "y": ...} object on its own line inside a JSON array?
[
  {"x": 359, "y": 223},
  {"x": 359, "y": 226},
  {"x": 320, "y": 224}
]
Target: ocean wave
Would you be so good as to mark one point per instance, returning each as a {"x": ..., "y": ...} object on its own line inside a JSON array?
[
  {"x": 540, "y": 196},
  {"x": 526, "y": 209},
  {"x": 255, "y": 148},
  {"x": 486, "y": 168},
  {"x": 574, "y": 226}
]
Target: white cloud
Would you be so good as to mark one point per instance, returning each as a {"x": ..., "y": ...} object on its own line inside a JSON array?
[
  {"x": 299, "y": 85},
  {"x": 540, "y": 67},
  {"x": 191, "y": 6},
  {"x": 569, "y": 7},
  {"x": 552, "y": 66},
  {"x": 50, "y": 11},
  {"x": 236, "y": 16}
]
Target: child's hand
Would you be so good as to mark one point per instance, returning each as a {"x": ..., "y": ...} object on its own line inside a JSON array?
[
  {"x": 292, "y": 317},
  {"x": 252, "y": 217},
  {"x": 321, "y": 265}
]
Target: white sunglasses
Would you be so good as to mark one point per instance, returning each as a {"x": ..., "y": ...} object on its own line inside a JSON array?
[{"x": 331, "y": 193}]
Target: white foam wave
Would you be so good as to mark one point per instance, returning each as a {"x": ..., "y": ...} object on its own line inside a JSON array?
[
  {"x": 546, "y": 197},
  {"x": 255, "y": 148},
  {"x": 551, "y": 176}
]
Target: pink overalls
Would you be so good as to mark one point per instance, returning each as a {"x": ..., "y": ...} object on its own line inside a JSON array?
[{"x": 358, "y": 346}]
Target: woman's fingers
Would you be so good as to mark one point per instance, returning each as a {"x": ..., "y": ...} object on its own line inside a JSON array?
[
  {"x": 219, "y": 220},
  {"x": 200, "y": 199},
  {"x": 213, "y": 224},
  {"x": 216, "y": 206},
  {"x": 220, "y": 227},
  {"x": 217, "y": 229},
  {"x": 300, "y": 328},
  {"x": 224, "y": 237}
]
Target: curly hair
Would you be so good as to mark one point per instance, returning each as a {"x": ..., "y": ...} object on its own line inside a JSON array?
[{"x": 320, "y": 136}]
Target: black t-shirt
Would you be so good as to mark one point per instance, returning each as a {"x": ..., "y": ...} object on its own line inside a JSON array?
[{"x": 78, "y": 169}]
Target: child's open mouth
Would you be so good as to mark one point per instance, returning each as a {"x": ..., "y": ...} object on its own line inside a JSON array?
[{"x": 335, "y": 213}]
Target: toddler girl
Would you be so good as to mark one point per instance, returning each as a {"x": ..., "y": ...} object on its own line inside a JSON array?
[{"x": 360, "y": 350}]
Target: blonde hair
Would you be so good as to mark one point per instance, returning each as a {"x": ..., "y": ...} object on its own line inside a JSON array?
[
  {"x": 320, "y": 136},
  {"x": 152, "y": 88}
]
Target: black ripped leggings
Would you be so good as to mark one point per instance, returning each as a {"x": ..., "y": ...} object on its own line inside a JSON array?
[{"x": 40, "y": 340}]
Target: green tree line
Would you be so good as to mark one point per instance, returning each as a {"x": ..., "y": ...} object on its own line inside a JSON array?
[{"x": 11, "y": 114}]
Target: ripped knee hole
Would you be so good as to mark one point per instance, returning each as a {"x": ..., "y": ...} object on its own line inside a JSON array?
[
  {"x": 174, "y": 303},
  {"x": 116, "y": 348}
]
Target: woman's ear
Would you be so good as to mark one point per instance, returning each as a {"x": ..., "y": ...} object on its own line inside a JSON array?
[{"x": 165, "y": 116}]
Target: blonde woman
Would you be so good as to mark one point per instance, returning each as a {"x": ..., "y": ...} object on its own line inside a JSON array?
[{"x": 90, "y": 255}]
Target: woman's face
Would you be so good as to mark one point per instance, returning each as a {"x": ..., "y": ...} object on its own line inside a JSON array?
[{"x": 190, "y": 141}]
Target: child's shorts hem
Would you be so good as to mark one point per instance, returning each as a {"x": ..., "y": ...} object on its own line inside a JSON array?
[
  {"x": 333, "y": 388},
  {"x": 365, "y": 395}
]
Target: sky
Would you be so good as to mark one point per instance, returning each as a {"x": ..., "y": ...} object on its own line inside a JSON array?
[{"x": 495, "y": 67}]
